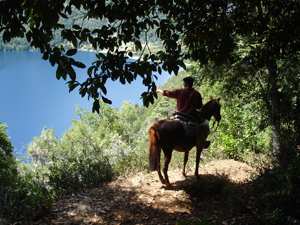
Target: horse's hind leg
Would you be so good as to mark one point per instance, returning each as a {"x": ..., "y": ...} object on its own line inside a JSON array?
[
  {"x": 186, "y": 156},
  {"x": 162, "y": 180},
  {"x": 165, "y": 168}
]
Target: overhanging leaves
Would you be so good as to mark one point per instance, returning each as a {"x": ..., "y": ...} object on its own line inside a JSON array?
[{"x": 204, "y": 31}]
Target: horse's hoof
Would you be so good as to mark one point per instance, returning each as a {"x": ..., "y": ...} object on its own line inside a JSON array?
[
  {"x": 163, "y": 181},
  {"x": 169, "y": 187}
]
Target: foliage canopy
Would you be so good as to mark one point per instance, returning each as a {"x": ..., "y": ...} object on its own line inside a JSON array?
[{"x": 202, "y": 31}]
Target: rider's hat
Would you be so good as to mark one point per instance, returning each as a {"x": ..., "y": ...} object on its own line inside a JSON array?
[{"x": 189, "y": 80}]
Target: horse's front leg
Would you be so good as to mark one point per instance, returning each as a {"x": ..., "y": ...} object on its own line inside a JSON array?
[
  {"x": 186, "y": 156},
  {"x": 199, "y": 150},
  {"x": 200, "y": 147}
]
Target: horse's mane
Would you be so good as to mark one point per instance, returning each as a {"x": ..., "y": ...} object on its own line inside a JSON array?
[
  {"x": 211, "y": 100},
  {"x": 208, "y": 104}
]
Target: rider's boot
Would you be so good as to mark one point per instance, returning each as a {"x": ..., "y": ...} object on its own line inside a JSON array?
[{"x": 206, "y": 144}]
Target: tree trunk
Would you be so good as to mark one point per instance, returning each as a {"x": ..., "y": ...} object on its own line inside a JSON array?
[
  {"x": 272, "y": 68},
  {"x": 297, "y": 124}
]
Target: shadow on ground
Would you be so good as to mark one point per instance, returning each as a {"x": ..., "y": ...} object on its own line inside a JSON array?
[{"x": 141, "y": 199}]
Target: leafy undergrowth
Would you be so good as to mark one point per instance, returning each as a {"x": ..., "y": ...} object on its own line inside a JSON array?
[{"x": 223, "y": 194}]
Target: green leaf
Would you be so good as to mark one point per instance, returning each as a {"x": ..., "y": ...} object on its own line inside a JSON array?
[
  {"x": 106, "y": 100},
  {"x": 74, "y": 42},
  {"x": 145, "y": 99},
  {"x": 90, "y": 70},
  {"x": 91, "y": 39},
  {"x": 96, "y": 106},
  {"x": 79, "y": 64},
  {"x": 83, "y": 91},
  {"x": 6, "y": 36},
  {"x": 28, "y": 36},
  {"x": 45, "y": 56},
  {"x": 72, "y": 85},
  {"x": 71, "y": 52},
  {"x": 122, "y": 80},
  {"x": 138, "y": 45},
  {"x": 159, "y": 70},
  {"x": 60, "y": 72},
  {"x": 103, "y": 89},
  {"x": 76, "y": 27},
  {"x": 71, "y": 73}
]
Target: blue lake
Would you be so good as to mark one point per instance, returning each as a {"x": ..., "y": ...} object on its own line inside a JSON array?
[{"x": 31, "y": 97}]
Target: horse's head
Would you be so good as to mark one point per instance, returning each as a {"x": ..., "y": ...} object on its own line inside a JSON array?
[
  {"x": 217, "y": 108},
  {"x": 212, "y": 108}
]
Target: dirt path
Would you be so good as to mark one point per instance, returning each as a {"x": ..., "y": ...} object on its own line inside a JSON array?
[{"x": 222, "y": 195}]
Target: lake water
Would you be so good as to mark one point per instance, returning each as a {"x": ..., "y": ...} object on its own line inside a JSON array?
[{"x": 31, "y": 97}]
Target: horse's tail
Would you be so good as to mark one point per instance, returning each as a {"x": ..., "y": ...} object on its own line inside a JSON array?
[{"x": 154, "y": 149}]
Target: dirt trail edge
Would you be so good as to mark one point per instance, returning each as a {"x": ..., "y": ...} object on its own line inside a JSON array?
[{"x": 221, "y": 195}]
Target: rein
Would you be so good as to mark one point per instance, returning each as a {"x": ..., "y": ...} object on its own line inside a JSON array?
[{"x": 213, "y": 125}]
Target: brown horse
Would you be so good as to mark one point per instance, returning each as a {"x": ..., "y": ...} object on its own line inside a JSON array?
[{"x": 169, "y": 135}]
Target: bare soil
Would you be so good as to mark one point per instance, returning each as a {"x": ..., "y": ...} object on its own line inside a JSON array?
[{"x": 221, "y": 195}]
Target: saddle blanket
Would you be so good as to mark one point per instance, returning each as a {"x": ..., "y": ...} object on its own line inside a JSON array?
[{"x": 192, "y": 129}]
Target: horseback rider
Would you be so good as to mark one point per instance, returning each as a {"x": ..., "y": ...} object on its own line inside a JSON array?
[{"x": 189, "y": 101}]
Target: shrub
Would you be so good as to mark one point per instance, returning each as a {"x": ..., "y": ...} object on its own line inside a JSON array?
[
  {"x": 281, "y": 193},
  {"x": 20, "y": 194},
  {"x": 73, "y": 175}
]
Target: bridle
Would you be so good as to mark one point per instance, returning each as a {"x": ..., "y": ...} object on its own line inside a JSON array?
[
  {"x": 216, "y": 120},
  {"x": 213, "y": 125}
]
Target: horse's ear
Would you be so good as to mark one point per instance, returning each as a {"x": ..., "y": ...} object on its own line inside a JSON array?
[
  {"x": 210, "y": 98},
  {"x": 219, "y": 99}
]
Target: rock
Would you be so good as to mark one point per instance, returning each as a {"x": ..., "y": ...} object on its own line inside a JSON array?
[{"x": 85, "y": 206}]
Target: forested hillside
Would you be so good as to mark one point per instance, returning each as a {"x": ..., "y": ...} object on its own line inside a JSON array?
[
  {"x": 99, "y": 147},
  {"x": 245, "y": 51},
  {"x": 21, "y": 44}
]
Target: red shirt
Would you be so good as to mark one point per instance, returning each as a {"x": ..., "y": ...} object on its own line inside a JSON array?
[{"x": 188, "y": 99}]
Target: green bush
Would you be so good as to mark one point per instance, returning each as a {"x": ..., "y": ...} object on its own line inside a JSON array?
[
  {"x": 74, "y": 175},
  {"x": 26, "y": 199},
  {"x": 281, "y": 193},
  {"x": 20, "y": 194}
]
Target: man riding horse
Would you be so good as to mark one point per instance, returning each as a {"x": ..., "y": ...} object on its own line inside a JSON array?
[
  {"x": 189, "y": 101},
  {"x": 177, "y": 133}
]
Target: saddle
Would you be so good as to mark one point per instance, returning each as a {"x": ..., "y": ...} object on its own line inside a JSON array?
[{"x": 192, "y": 128}]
